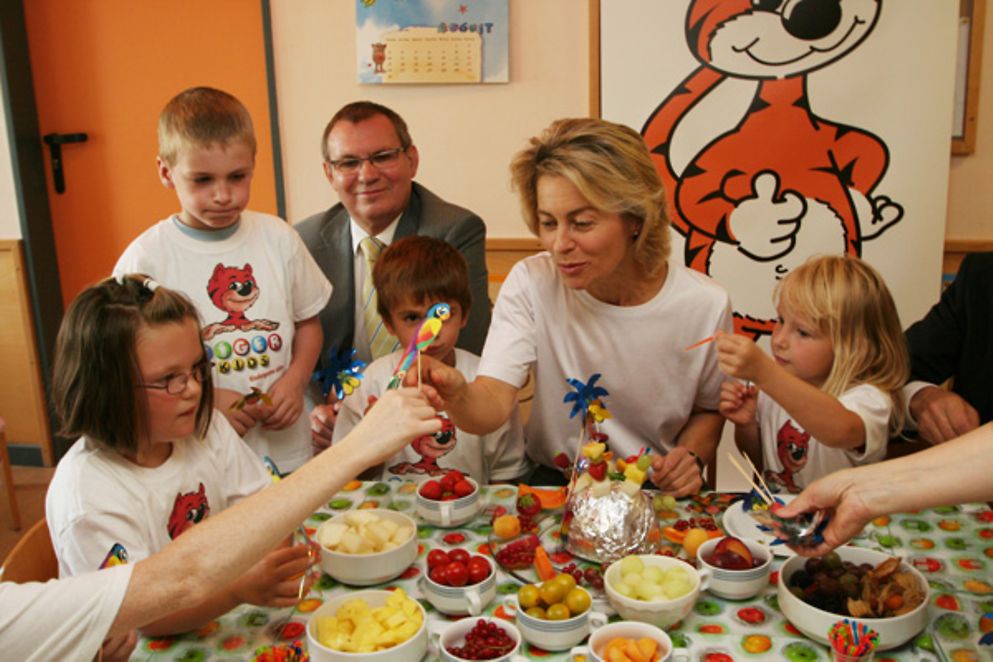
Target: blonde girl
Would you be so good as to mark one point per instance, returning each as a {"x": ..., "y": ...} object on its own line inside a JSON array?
[{"x": 829, "y": 396}]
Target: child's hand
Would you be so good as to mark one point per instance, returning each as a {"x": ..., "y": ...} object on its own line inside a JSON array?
[
  {"x": 738, "y": 402},
  {"x": 322, "y": 419},
  {"x": 241, "y": 420},
  {"x": 287, "y": 403},
  {"x": 740, "y": 357},
  {"x": 275, "y": 580}
]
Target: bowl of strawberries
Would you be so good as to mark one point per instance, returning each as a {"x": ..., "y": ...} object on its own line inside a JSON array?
[{"x": 449, "y": 501}]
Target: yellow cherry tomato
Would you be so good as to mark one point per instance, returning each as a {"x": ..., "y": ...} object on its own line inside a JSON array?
[
  {"x": 551, "y": 592},
  {"x": 577, "y": 600},
  {"x": 536, "y": 612},
  {"x": 558, "y": 612},
  {"x": 567, "y": 581},
  {"x": 528, "y": 596}
]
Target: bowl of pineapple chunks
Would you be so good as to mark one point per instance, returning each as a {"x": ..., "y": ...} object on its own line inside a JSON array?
[
  {"x": 367, "y": 547},
  {"x": 371, "y": 626}
]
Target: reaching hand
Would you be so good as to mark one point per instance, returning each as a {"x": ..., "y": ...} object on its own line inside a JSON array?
[
  {"x": 287, "y": 403},
  {"x": 441, "y": 383},
  {"x": 738, "y": 402},
  {"x": 676, "y": 473},
  {"x": 740, "y": 357},
  {"x": 942, "y": 415},
  {"x": 396, "y": 419},
  {"x": 322, "y": 419},
  {"x": 838, "y": 494},
  {"x": 242, "y": 420},
  {"x": 275, "y": 580}
]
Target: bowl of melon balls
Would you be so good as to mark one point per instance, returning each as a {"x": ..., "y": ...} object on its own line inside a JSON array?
[{"x": 659, "y": 590}]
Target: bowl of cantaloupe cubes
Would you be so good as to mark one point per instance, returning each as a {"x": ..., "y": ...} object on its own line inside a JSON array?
[
  {"x": 367, "y": 547},
  {"x": 371, "y": 626},
  {"x": 629, "y": 641}
]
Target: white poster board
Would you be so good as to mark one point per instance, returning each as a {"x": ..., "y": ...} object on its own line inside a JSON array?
[{"x": 833, "y": 137}]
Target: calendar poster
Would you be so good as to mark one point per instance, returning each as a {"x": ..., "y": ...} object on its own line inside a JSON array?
[{"x": 432, "y": 41}]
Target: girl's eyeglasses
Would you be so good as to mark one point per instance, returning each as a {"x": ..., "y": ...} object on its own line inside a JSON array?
[{"x": 176, "y": 384}]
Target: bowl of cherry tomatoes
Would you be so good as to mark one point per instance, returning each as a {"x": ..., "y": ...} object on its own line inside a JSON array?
[{"x": 458, "y": 582}]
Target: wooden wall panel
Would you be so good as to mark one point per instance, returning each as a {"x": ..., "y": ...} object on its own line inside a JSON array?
[{"x": 22, "y": 400}]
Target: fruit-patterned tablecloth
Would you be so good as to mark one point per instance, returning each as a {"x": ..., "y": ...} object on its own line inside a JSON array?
[{"x": 952, "y": 547}]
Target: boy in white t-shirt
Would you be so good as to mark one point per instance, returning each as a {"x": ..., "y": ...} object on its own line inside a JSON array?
[
  {"x": 410, "y": 276},
  {"x": 255, "y": 284}
]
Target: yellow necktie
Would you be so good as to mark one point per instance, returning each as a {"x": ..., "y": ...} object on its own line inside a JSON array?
[{"x": 381, "y": 341}]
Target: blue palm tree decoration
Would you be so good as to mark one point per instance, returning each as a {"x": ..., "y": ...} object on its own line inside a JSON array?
[
  {"x": 583, "y": 395},
  {"x": 342, "y": 374}
]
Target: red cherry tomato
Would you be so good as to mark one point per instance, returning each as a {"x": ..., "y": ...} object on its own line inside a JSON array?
[
  {"x": 459, "y": 555},
  {"x": 457, "y": 573},
  {"x": 439, "y": 574},
  {"x": 438, "y": 557},
  {"x": 479, "y": 569}
]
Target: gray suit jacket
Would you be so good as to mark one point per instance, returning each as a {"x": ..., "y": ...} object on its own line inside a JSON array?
[{"x": 328, "y": 237}]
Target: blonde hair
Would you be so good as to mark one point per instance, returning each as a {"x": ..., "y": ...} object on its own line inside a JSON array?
[
  {"x": 610, "y": 166},
  {"x": 200, "y": 117},
  {"x": 848, "y": 301}
]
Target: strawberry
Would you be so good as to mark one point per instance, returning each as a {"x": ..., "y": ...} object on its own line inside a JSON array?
[
  {"x": 598, "y": 471},
  {"x": 463, "y": 488},
  {"x": 431, "y": 490},
  {"x": 562, "y": 461},
  {"x": 528, "y": 505},
  {"x": 449, "y": 479},
  {"x": 497, "y": 512}
]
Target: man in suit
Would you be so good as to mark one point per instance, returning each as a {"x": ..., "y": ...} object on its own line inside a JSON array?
[
  {"x": 370, "y": 161},
  {"x": 954, "y": 341}
]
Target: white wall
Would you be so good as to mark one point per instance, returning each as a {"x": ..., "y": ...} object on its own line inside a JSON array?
[
  {"x": 10, "y": 223},
  {"x": 466, "y": 134}
]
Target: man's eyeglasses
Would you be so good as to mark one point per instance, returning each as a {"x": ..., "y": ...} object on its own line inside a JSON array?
[
  {"x": 176, "y": 384},
  {"x": 380, "y": 161}
]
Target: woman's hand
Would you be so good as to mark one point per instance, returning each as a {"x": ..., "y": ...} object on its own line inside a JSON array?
[
  {"x": 441, "y": 383},
  {"x": 740, "y": 357},
  {"x": 738, "y": 402},
  {"x": 676, "y": 473},
  {"x": 838, "y": 494},
  {"x": 397, "y": 418}
]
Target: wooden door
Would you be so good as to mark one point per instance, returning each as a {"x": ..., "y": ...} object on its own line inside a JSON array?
[{"x": 106, "y": 68}]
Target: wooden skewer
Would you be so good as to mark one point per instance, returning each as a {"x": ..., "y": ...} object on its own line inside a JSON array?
[
  {"x": 418, "y": 370},
  {"x": 759, "y": 475},
  {"x": 748, "y": 477},
  {"x": 700, "y": 343}
]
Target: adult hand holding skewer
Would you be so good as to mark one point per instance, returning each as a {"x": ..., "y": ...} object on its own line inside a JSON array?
[{"x": 676, "y": 473}]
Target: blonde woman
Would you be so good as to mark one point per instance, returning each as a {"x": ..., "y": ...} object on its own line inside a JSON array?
[
  {"x": 601, "y": 298},
  {"x": 829, "y": 397}
]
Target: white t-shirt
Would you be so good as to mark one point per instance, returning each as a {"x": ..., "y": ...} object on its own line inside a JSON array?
[
  {"x": 653, "y": 384},
  {"x": 498, "y": 455},
  {"x": 103, "y": 509},
  {"x": 64, "y": 619},
  {"x": 250, "y": 288},
  {"x": 793, "y": 459}
]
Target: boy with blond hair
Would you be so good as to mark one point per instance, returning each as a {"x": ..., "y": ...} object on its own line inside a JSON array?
[
  {"x": 410, "y": 276},
  {"x": 256, "y": 286}
]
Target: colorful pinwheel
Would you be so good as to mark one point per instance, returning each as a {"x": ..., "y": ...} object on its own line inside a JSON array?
[
  {"x": 342, "y": 374},
  {"x": 585, "y": 395}
]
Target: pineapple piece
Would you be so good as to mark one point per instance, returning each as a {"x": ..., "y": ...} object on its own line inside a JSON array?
[
  {"x": 389, "y": 525},
  {"x": 630, "y": 488},
  {"x": 402, "y": 534},
  {"x": 634, "y": 474},
  {"x": 600, "y": 488},
  {"x": 594, "y": 450},
  {"x": 377, "y": 535},
  {"x": 583, "y": 482},
  {"x": 359, "y": 517},
  {"x": 330, "y": 534}
]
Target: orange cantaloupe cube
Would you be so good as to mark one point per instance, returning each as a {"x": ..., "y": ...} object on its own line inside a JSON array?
[{"x": 649, "y": 648}]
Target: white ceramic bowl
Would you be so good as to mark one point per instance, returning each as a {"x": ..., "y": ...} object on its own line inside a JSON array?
[
  {"x": 628, "y": 630},
  {"x": 556, "y": 635},
  {"x": 469, "y": 599},
  {"x": 449, "y": 513},
  {"x": 411, "y": 650},
  {"x": 454, "y": 635},
  {"x": 815, "y": 623},
  {"x": 737, "y": 584},
  {"x": 661, "y": 613},
  {"x": 370, "y": 569}
]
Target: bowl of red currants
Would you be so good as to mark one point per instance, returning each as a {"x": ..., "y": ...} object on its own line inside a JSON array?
[
  {"x": 528, "y": 557},
  {"x": 481, "y": 638},
  {"x": 458, "y": 582}
]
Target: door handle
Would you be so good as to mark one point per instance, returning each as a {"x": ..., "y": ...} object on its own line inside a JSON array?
[{"x": 55, "y": 142}]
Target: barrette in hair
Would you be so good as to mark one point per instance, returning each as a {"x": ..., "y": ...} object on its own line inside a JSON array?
[
  {"x": 150, "y": 284},
  {"x": 120, "y": 278}
]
